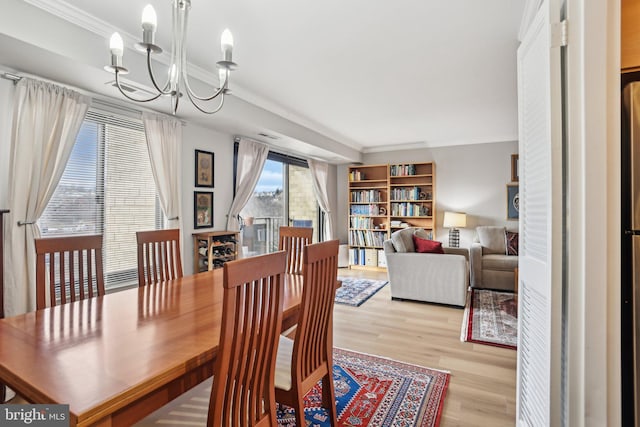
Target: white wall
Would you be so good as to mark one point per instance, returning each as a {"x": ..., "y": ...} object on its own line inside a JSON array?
[
  {"x": 221, "y": 144},
  {"x": 469, "y": 178}
]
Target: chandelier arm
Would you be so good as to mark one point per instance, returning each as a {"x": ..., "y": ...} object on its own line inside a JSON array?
[
  {"x": 153, "y": 79},
  {"x": 192, "y": 94},
  {"x": 202, "y": 109},
  {"x": 176, "y": 101},
  {"x": 132, "y": 98}
]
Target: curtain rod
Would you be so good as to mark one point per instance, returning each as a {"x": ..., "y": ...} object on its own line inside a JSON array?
[
  {"x": 9, "y": 76},
  {"x": 95, "y": 98}
]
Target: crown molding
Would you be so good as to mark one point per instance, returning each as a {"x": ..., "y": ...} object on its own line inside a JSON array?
[
  {"x": 436, "y": 144},
  {"x": 68, "y": 12}
]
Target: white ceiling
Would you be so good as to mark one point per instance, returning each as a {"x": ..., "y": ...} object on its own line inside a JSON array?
[{"x": 366, "y": 75}]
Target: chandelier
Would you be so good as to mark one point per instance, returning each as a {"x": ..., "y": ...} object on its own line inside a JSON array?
[{"x": 177, "y": 82}]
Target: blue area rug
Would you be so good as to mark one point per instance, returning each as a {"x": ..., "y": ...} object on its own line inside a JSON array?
[{"x": 355, "y": 290}]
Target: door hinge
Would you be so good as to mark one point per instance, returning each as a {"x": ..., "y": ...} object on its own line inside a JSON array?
[{"x": 560, "y": 34}]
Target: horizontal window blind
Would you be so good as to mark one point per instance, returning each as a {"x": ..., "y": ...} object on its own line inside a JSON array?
[{"x": 107, "y": 188}]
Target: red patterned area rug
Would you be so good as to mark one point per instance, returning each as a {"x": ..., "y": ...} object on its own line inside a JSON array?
[
  {"x": 370, "y": 391},
  {"x": 491, "y": 318}
]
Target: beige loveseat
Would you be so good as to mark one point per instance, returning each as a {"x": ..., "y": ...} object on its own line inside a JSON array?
[
  {"x": 491, "y": 267},
  {"x": 438, "y": 278}
]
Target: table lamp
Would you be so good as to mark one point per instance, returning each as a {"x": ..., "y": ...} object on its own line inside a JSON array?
[{"x": 453, "y": 220}]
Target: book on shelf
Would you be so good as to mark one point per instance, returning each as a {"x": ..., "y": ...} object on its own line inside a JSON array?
[
  {"x": 363, "y": 222},
  {"x": 407, "y": 193},
  {"x": 373, "y": 210},
  {"x": 371, "y": 257},
  {"x": 357, "y": 256},
  {"x": 372, "y": 238},
  {"x": 402, "y": 170},
  {"x": 409, "y": 209},
  {"x": 366, "y": 196},
  {"x": 356, "y": 175},
  {"x": 382, "y": 260}
]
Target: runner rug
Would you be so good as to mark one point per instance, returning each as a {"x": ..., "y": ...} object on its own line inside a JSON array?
[
  {"x": 491, "y": 318},
  {"x": 370, "y": 391},
  {"x": 355, "y": 290}
]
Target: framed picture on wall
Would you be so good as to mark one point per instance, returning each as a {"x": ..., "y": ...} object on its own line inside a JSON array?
[
  {"x": 513, "y": 201},
  {"x": 514, "y": 168},
  {"x": 204, "y": 169},
  {"x": 202, "y": 209}
]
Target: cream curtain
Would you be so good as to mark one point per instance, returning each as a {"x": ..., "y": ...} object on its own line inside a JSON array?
[
  {"x": 164, "y": 142},
  {"x": 251, "y": 158},
  {"x": 320, "y": 174},
  {"x": 46, "y": 121}
]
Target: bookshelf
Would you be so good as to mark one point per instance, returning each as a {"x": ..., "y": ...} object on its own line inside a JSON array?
[
  {"x": 368, "y": 215},
  {"x": 383, "y": 199},
  {"x": 412, "y": 196}
]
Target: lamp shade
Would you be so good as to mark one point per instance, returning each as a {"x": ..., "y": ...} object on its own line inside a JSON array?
[{"x": 454, "y": 220}]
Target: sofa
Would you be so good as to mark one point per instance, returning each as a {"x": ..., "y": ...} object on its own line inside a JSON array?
[
  {"x": 429, "y": 277},
  {"x": 494, "y": 258}
]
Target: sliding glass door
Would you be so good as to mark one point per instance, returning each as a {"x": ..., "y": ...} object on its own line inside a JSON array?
[{"x": 283, "y": 196}]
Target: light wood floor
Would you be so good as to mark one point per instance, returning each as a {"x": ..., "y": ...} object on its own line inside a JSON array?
[{"x": 483, "y": 378}]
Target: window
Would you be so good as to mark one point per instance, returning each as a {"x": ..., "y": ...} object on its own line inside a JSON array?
[
  {"x": 283, "y": 196},
  {"x": 107, "y": 188}
]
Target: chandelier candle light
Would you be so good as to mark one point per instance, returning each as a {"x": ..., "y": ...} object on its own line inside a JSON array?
[
  {"x": 453, "y": 220},
  {"x": 177, "y": 82}
]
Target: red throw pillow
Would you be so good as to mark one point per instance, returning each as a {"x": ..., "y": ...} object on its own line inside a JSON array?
[{"x": 427, "y": 246}]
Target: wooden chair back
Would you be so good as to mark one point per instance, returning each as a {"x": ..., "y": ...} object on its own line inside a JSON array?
[
  {"x": 292, "y": 240},
  {"x": 312, "y": 353},
  {"x": 72, "y": 268},
  {"x": 243, "y": 391},
  {"x": 159, "y": 256}
]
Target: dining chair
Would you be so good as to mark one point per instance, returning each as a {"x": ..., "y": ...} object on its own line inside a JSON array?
[
  {"x": 71, "y": 267},
  {"x": 307, "y": 359},
  {"x": 243, "y": 388},
  {"x": 159, "y": 256},
  {"x": 292, "y": 240}
]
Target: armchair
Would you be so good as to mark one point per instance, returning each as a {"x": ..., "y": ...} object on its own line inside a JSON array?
[
  {"x": 429, "y": 277},
  {"x": 491, "y": 267}
]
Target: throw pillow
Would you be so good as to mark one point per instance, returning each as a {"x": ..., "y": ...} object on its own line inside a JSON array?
[
  {"x": 511, "y": 240},
  {"x": 492, "y": 239},
  {"x": 427, "y": 246},
  {"x": 423, "y": 234},
  {"x": 402, "y": 241}
]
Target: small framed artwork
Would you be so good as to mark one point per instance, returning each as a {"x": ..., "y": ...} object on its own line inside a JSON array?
[
  {"x": 513, "y": 201},
  {"x": 202, "y": 209},
  {"x": 204, "y": 169},
  {"x": 514, "y": 168}
]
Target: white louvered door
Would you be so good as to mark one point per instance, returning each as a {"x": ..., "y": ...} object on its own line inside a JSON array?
[{"x": 540, "y": 257}]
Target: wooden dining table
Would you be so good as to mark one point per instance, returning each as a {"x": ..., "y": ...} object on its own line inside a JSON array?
[{"x": 115, "y": 359}]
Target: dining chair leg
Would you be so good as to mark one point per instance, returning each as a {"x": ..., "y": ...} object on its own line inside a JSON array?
[
  {"x": 329, "y": 398},
  {"x": 299, "y": 408}
]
